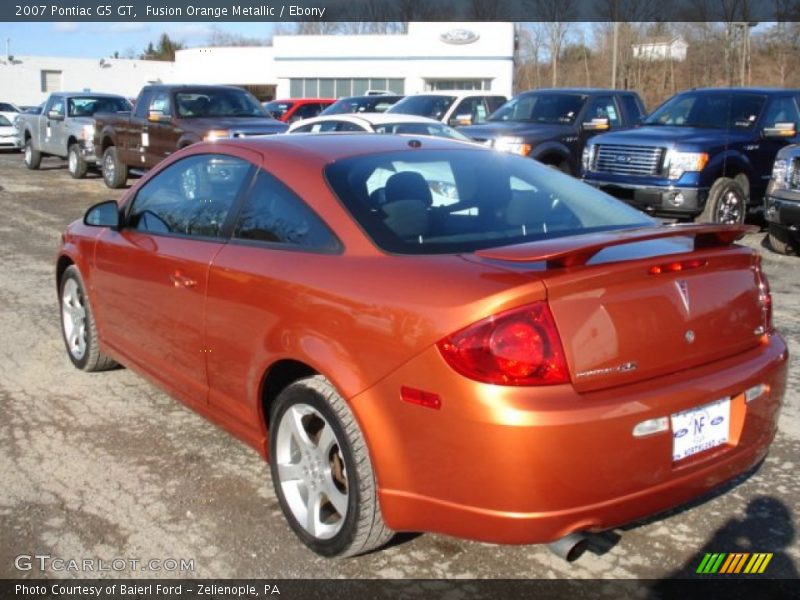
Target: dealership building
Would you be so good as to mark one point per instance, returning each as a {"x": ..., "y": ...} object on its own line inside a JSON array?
[{"x": 429, "y": 56}]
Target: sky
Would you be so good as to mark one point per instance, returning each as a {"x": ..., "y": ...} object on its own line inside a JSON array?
[{"x": 101, "y": 40}]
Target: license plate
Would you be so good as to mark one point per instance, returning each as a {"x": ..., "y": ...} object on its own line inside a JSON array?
[{"x": 700, "y": 428}]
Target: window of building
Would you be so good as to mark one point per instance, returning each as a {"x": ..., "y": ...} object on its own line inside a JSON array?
[
  {"x": 51, "y": 81},
  {"x": 433, "y": 85},
  {"x": 314, "y": 87}
]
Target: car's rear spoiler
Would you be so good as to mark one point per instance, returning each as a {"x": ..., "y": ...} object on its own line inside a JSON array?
[{"x": 577, "y": 250}]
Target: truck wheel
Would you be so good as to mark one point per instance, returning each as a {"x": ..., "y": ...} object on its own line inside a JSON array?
[
  {"x": 780, "y": 239},
  {"x": 322, "y": 471},
  {"x": 76, "y": 166},
  {"x": 726, "y": 203},
  {"x": 115, "y": 172},
  {"x": 33, "y": 158}
]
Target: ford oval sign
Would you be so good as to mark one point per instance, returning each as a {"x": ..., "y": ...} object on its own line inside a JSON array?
[{"x": 459, "y": 36}]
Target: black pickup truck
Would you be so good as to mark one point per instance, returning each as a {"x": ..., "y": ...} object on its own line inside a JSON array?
[
  {"x": 782, "y": 201},
  {"x": 554, "y": 125}
]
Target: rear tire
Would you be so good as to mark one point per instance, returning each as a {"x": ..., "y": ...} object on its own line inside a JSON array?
[
  {"x": 33, "y": 158},
  {"x": 322, "y": 471},
  {"x": 726, "y": 203},
  {"x": 76, "y": 166},
  {"x": 780, "y": 240},
  {"x": 115, "y": 172},
  {"x": 77, "y": 325}
]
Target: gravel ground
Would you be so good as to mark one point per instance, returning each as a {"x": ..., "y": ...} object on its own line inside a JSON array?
[{"x": 104, "y": 466}]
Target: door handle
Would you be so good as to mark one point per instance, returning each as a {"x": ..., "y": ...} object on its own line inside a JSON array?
[{"x": 179, "y": 280}]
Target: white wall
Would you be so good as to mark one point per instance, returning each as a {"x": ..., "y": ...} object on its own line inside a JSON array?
[
  {"x": 21, "y": 79},
  {"x": 420, "y": 54},
  {"x": 219, "y": 66}
]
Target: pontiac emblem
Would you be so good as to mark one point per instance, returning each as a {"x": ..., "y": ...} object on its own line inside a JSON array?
[
  {"x": 459, "y": 36},
  {"x": 683, "y": 291}
]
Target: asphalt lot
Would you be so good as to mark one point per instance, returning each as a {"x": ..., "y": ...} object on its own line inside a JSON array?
[{"x": 106, "y": 466}]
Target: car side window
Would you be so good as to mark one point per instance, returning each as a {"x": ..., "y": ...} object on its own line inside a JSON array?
[
  {"x": 273, "y": 213},
  {"x": 781, "y": 110},
  {"x": 633, "y": 107},
  {"x": 57, "y": 105},
  {"x": 348, "y": 126},
  {"x": 603, "y": 107},
  {"x": 143, "y": 104},
  {"x": 160, "y": 103},
  {"x": 191, "y": 197}
]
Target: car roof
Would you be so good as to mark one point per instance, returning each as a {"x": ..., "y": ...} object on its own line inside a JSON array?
[
  {"x": 87, "y": 94},
  {"x": 302, "y": 100},
  {"x": 370, "y": 97},
  {"x": 743, "y": 90},
  {"x": 369, "y": 118},
  {"x": 576, "y": 90},
  {"x": 457, "y": 93},
  {"x": 327, "y": 147}
]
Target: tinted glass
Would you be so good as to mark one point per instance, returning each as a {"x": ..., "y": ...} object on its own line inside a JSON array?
[
  {"x": 5, "y": 107},
  {"x": 218, "y": 103},
  {"x": 709, "y": 110},
  {"x": 160, "y": 103},
  {"x": 433, "y": 107},
  {"x": 632, "y": 106},
  {"x": 553, "y": 109},
  {"x": 86, "y": 106},
  {"x": 360, "y": 104},
  {"x": 273, "y": 213},
  {"x": 461, "y": 200},
  {"x": 434, "y": 129},
  {"x": 602, "y": 107},
  {"x": 278, "y": 109},
  {"x": 190, "y": 197},
  {"x": 781, "y": 110}
]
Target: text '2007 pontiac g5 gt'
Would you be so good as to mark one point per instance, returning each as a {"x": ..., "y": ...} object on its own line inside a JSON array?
[{"x": 428, "y": 335}]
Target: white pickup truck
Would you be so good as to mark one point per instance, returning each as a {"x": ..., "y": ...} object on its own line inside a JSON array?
[{"x": 65, "y": 128}]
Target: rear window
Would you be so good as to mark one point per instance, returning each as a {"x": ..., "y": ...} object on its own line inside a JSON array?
[
  {"x": 433, "y": 107},
  {"x": 465, "y": 199}
]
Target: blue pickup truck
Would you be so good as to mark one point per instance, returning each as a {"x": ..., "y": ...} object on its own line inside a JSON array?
[{"x": 704, "y": 153}]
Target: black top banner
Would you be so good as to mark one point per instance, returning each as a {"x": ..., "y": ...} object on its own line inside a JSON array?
[{"x": 400, "y": 10}]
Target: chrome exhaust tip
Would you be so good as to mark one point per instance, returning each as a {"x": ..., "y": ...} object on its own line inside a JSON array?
[{"x": 569, "y": 547}]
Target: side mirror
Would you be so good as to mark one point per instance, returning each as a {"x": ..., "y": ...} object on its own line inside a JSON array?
[
  {"x": 104, "y": 214},
  {"x": 459, "y": 120},
  {"x": 599, "y": 124},
  {"x": 157, "y": 116},
  {"x": 54, "y": 115},
  {"x": 780, "y": 130}
]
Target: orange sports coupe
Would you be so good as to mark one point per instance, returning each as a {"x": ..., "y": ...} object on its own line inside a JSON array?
[{"x": 428, "y": 335}]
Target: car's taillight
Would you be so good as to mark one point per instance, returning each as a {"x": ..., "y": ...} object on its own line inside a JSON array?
[
  {"x": 764, "y": 297},
  {"x": 517, "y": 347}
]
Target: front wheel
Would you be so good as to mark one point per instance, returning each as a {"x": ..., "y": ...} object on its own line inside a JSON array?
[
  {"x": 322, "y": 471},
  {"x": 115, "y": 172},
  {"x": 76, "y": 166},
  {"x": 726, "y": 203},
  {"x": 78, "y": 326},
  {"x": 33, "y": 158},
  {"x": 780, "y": 240}
]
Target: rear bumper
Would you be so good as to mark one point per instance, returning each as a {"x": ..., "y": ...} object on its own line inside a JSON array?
[
  {"x": 666, "y": 200},
  {"x": 530, "y": 466}
]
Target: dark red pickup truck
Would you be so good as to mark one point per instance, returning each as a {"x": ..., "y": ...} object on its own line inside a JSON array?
[{"x": 167, "y": 118}]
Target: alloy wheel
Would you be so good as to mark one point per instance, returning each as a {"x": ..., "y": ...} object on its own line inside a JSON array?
[
  {"x": 73, "y": 318},
  {"x": 311, "y": 470},
  {"x": 729, "y": 209}
]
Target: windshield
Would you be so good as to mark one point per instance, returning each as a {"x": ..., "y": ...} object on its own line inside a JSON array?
[
  {"x": 464, "y": 199},
  {"x": 433, "y": 107},
  {"x": 278, "y": 109},
  {"x": 218, "y": 103},
  {"x": 357, "y": 105},
  {"x": 433, "y": 129},
  {"x": 709, "y": 110},
  {"x": 552, "y": 109},
  {"x": 86, "y": 106}
]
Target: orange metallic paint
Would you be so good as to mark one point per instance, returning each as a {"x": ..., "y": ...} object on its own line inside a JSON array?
[{"x": 494, "y": 463}]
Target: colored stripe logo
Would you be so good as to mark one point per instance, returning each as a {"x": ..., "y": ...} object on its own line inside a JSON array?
[{"x": 734, "y": 563}]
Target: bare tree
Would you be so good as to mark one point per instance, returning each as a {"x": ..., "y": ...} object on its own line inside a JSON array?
[
  {"x": 220, "y": 37},
  {"x": 556, "y": 14}
]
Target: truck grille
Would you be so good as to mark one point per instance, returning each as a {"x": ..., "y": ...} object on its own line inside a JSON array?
[
  {"x": 628, "y": 160},
  {"x": 793, "y": 176}
]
